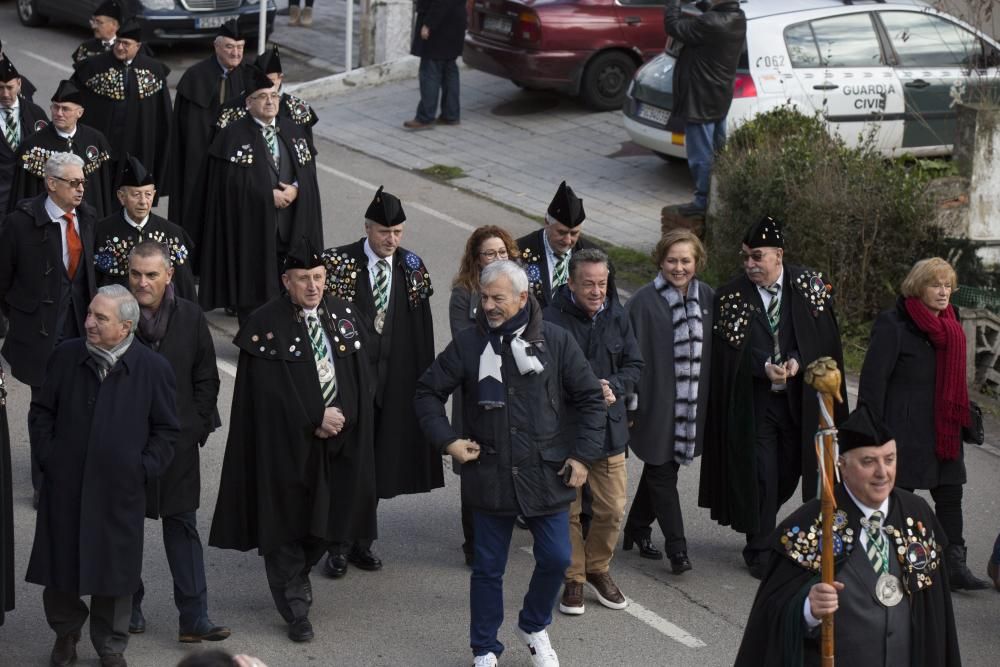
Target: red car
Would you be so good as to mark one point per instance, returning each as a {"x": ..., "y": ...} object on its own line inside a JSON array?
[{"x": 588, "y": 48}]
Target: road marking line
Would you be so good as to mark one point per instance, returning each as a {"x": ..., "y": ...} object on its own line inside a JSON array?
[
  {"x": 655, "y": 621},
  {"x": 444, "y": 217},
  {"x": 51, "y": 63},
  {"x": 226, "y": 367}
]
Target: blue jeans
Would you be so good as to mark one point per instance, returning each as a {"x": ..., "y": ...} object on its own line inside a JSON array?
[
  {"x": 438, "y": 79},
  {"x": 703, "y": 141},
  {"x": 492, "y": 544}
]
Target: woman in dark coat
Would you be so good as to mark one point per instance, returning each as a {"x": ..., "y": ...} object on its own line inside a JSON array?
[
  {"x": 486, "y": 244},
  {"x": 668, "y": 422},
  {"x": 914, "y": 377},
  {"x": 438, "y": 39}
]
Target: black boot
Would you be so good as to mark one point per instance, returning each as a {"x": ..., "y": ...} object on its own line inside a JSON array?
[{"x": 959, "y": 575}]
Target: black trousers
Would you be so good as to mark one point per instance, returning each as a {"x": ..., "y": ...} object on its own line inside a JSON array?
[
  {"x": 66, "y": 613},
  {"x": 779, "y": 467},
  {"x": 36, "y": 471},
  {"x": 287, "y": 569},
  {"x": 948, "y": 508},
  {"x": 187, "y": 567},
  {"x": 656, "y": 499}
]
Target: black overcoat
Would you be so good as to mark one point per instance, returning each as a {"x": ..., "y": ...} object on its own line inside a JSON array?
[
  {"x": 292, "y": 107},
  {"x": 32, "y": 119},
  {"x": 97, "y": 443},
  {"x": 238, "y": 244},
  {"x": 6, "y": 510},
  {"x": 31, "y": 270},
  {"x": 536, "y": 265},
  {"x": 115, "y": 238},
  {"x": 88, "y": 144},
  {"x": 280, "y": 483},
  {"x": 398, "y": 356},
  {"x": 611, "y": 349},
  {"x": 737, "y": 383},
  {"x": 652, "y": 431},
  {"x": 187, "y": 346},
  {"x": 446, "y": 20},
  {"x": 898, "y": 382},
  {"x": 521, "y": 447},
  {"x": 775, "y": 635}
]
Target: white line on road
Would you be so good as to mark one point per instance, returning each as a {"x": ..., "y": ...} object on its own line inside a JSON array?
[
  {"x": 655, "y": 621},
  {"x": 51, "y": 63},
  {"x": 226, "y": 367},
  {"x": 444, "y": 217}
]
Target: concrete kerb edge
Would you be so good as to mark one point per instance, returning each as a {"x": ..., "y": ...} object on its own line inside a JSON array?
[{"x": 363, "y": 77}]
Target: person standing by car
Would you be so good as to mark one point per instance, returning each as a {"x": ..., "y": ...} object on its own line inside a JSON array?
[
  {"x": 703, "y": 83},
  {"x": 438, "y": 38},
  {"x": 914, "y": 378}
]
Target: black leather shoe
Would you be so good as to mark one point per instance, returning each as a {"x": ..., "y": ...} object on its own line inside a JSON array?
[
  {"x": 64, "y": 650},
  {"x": 364, "y": 559},
  {"x": 646, "y": 547},
  {"x": 335, "y": 566},
  {"x": 113, "y": 660},
  {"x": 137, "y": 623},
  {"x": 960, "y": 577},
  {"x": 204, "y": 631},
  {"x": 300, "y": 630},
  {"x": 679, "y": 562}
]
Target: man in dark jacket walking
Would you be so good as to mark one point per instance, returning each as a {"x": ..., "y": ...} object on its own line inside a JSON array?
[
  {"x": 178, "y": 330},
  {"x": 438, "y": 38},
  {"x": 106, "y": 424},
  {"x": 516, "y": 373},
  {"x": 703, "y": 83},
  {"x": 603, "y": 331}
]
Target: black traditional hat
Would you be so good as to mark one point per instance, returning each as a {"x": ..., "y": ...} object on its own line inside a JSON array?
[
  {"x": 131, "y": 29},
  {"x": 269, "y": 61},
  {"x": 385, "y": 209},
  {"x": 231, "y": 29},
  {"x": 109, "y": 8},
  {"x": 258, "y": 81},
  {"x": 7, "y": 70},
  {"x": 67, "y": 92},
  {"x": 302, "y": 256},
  {"x": 134, "y": 174},
  {"x": 862, "y": 429},
  {"x": 566, "y": 207},
  {"x": 765, "y": 233}
]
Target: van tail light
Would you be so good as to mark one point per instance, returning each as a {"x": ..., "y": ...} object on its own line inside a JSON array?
[
  {"x": 528, "y": 28},
  {"x": 743, "y": 86}
]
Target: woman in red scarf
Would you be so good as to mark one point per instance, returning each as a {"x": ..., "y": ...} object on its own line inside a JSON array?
[{"x": 914, "y": 375}]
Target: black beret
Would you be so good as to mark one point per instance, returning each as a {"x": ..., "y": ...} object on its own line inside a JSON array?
[
  {"x": 7, "y": 70},
  {"x": 385, "y": 209},
  {"x": 862, "y": 428},
  {"x": 302, "y": 256},
  {"x": 566, "y": 207},
  {"x": 109, "y": 8},
  {"x": 765, "y": 233},
  {"x": 269, "y": 61},
  {"x": 67, "y": 92},
  {"x": 134, "y": 174}
]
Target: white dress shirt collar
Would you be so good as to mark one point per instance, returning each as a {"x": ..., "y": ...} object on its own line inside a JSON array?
[{"x": 133, "y": 223}]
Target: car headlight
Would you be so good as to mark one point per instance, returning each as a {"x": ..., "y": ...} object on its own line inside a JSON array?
[{"x": 159, "y": 4}]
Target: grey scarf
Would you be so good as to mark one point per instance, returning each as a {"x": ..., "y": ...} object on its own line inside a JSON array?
[
  {"x": 106, "y": 359},
  {"x": 686, "y": 314}
]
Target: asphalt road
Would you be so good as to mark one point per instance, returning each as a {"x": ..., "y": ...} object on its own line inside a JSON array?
[{"x": 415, "y": 611}]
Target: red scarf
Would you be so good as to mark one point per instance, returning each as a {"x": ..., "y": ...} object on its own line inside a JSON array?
[{"x": 951, "y": 395}]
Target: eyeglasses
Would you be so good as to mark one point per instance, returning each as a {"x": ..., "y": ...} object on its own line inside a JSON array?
[
  {"x": 755, "y": 256},
  {"x": 73, "y": 183},
  {"x": 493, "y": 254}
]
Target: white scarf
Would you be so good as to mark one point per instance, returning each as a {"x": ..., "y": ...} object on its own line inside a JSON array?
[{"x": 686, "y": 314}]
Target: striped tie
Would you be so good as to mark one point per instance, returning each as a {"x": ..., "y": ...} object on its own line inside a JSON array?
[
  {"x": 272, "y": 140},
  {"x": 562, "y": 272},
  {"x": 381, "y": 285},
  {"x": 773, "y": 308},
  {"x": 10, "y": 128},
  {"x": 321, "y": 355},
  {"x": 878, "y": 548}
]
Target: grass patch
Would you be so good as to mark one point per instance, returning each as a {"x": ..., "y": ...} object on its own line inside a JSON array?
[
  {"x": 443, "y": 172},
  {"x": 633, "y": 268},
  {"x": 854, "y": 339}
]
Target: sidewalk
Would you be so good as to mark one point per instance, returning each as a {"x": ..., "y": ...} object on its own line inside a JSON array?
[
  {"x": 514, "y": 147},
  {"x": 322, "y": 43}
]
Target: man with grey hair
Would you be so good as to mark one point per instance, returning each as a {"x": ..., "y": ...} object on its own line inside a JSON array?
[
  {"x": 105, "y": 423},
  {"x": 517, "y": 373},
  {"x": 46, "y": 273}
]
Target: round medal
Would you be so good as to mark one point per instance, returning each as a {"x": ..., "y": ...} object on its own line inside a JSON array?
[
  {"x": 917, "y": 556},
  {"x": 325, "y": 370},
  {"x": 380, "y": 321},
  {"x": 888, "y": 590}
]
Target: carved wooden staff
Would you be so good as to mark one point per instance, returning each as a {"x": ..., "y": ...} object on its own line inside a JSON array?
[{"x": 824, "y": 376}]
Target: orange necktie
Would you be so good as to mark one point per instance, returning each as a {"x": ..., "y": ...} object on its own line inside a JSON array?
[{"x": 74, "y": 245}]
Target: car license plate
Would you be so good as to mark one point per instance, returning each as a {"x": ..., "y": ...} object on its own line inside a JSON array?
[
  {"x": 207, "y": 22},
  {"x": 655, "y": 114},
  {"x": 498, "y": 24}
]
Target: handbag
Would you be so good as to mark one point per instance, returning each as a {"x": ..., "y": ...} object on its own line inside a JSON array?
[{"x": 974, "y": 433}]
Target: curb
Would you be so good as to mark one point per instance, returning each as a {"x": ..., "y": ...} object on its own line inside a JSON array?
[{"x": 363, "y": 77}]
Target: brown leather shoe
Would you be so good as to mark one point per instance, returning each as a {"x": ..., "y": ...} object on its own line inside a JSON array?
[
  {"x": 416, "y": 125},
  {"x": 113, "y": 660},
  {"x": 606, "y": 590},
  {"x": 64, "y": 650},
  {"x": 572, "y": 599}
]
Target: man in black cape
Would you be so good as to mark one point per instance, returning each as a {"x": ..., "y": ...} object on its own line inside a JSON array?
[
  {"x": 294, "y": 108},
  {"x": 770, "y": 323},
  {"x": 19, "y": 119},
  {"x": 65, "y": 134},
  {"x": 545, "y": 253},
  {"x": 27, "y": 88},
  {"x": 105, "y": 22},
  {"x": 134, "y": 223},
  {"x": 298, "y": 472},
  {"x": 201, "y": 92},
  {"x": 391, "y": 289},
  {"x": 264, "y": 194},
  {"x": 891, "y": 600},
  {"x": 126, "y": 98}
]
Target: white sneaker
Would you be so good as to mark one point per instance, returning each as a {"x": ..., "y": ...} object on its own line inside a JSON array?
[
  {"x": 542, "y": 653},
  {"x": 488, "y": 660}
]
